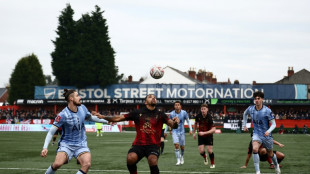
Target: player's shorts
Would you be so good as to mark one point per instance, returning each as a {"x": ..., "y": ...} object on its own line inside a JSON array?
[
  {"x": 266, "y": 141},
  {"x": 73, "y": 151},
  {"x": 205, "y": 140},
  {"x": 178, "y": 138},
  {"x": 163, "y": 133},
  {"x": 144, "y": 151}
]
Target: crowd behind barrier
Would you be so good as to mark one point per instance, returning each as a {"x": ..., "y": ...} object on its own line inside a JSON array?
[{"x": 216, "y": 112}]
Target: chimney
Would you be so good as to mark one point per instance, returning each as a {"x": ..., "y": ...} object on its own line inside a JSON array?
[
  {"x": 254, "y": 83},
  {"x": 192, "y": 73},
  {"x": 200, "y": 77},
  {"x": 214, "y": 80},
  {"x": 290, "y": 71},
  {"x": 130, "y": 79},
  {"x": 209, "y": 77}
]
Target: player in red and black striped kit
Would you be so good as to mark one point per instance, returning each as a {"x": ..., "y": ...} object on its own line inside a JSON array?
[
  {"x": 148, "y": 122},
  {"x": 206, "y": 128}
]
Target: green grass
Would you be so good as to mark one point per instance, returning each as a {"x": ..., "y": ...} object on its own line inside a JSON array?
[{"x": 20, "y": 153}]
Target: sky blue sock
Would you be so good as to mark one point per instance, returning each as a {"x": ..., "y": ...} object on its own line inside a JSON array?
[
  {"x": 50, "y": 170},
  {"x": 274, "y": 160},
  {"x": 256, "y": 161},
  {"x": 176, "y": 151}
]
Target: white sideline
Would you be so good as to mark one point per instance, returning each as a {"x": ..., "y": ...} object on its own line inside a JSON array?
[{"x": 124, "y": 171}]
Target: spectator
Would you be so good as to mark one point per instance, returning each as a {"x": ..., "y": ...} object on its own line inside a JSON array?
[
  {"x": 295, "y": 130},
  {"x": 305, "y": 130},
  {"x": 281, "y": 129}
]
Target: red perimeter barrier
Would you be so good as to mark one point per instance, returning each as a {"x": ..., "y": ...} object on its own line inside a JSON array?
[{"x": 291, "y": 123}]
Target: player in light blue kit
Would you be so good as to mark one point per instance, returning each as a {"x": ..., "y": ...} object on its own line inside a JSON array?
[
  {"x": 261, "y": 117},
  {"x": 73, "y": 141},
  {"x": 178, "y": 135}
]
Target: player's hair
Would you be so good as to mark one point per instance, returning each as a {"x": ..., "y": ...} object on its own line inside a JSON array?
[
  {"x": 258, "y": 94},
  {"x": 67, "y": 93},
  {"x": 204, "y": 105},
  {"x": 178, "y": 102}
]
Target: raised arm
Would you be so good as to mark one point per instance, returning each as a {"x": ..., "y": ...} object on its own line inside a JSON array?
[
  {"x": 116, "y": 118},
  {"x": 96, "y": 119}
]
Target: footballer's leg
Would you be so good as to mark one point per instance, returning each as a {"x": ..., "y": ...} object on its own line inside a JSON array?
[
  {"x": 152, "y": 154},
  {"x": 85, "y": 161},
  {"x": 209, "y": 142},
  {"x": 182, "y": 147},
  {"x": 61, "y": 159},
  {"x": 256, "y": 145},
  {"x": 211, "y": 156},
  {"x": 132, "y": 160},
  {"x": 202, "y": 152},
  {"x": 153, "y": 160}
]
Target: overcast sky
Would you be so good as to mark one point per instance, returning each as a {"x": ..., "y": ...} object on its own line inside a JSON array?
[{"x": 237, "y": 39}]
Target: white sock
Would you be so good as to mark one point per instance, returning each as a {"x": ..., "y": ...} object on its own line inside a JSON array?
[
  {"x": 176, "y": 151},
  {"x": 274, "y": 160},
  {"x": 50, "y": 170},
  {"x": 256, "y": 161}
]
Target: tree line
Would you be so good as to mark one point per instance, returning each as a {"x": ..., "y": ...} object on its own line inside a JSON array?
[{"x": 83, "y": 56}]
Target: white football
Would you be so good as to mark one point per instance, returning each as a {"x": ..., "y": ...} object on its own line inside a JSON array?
[{"x": 157, "y": 72}]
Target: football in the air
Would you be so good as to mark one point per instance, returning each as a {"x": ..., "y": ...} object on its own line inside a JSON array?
[{"x": 157, "y": 72}]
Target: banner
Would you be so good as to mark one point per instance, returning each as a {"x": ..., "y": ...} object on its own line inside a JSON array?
[
  {"x": 46, "y": 127},
  {"x": 170, "y": 91}
]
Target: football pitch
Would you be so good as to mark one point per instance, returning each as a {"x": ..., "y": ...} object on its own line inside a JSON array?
[{"x": 20, "y": 153}]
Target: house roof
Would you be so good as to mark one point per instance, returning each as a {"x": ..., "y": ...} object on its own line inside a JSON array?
[
  {"x": 300, "y": 77},
  {"x": 2, "y": 91},
  {"x": 171, "y": 76}
]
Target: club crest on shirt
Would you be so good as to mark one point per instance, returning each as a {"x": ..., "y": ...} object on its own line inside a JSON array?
[{"x": 57, "y": 119}]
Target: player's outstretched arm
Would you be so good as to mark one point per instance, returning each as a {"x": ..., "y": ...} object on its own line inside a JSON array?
[
  {"x": 116, "y": 118},
  {"x": 277, "y": 143},
  {"x": 96, "y": 119},
  {"x": 48, "y": 138}
]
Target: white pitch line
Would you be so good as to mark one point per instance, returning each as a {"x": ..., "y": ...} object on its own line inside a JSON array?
[{"x": 123, "y": 171}]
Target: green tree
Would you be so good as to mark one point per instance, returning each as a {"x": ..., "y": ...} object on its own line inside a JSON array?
[
  {"x": 26, "y": 75},
  {"x": 92, "y": 59},
  {"x": 63, "y": 59}
]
